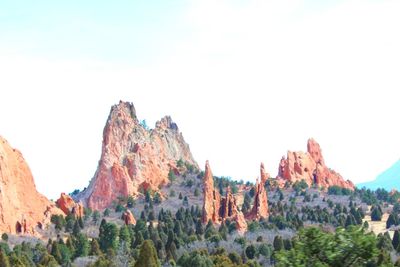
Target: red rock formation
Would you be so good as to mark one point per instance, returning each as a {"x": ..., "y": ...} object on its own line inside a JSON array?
[
  {"x": 69, "y": 206},
  {"x": 128, "y": 218},
  {"x": 212, "y": 198},
  {"x": 22, "y": 208},
  {"x": 134, "y": 157},
  {"x": 217, "y": 208},
  {"x": 311, "y": 168},
  {"x": 260, "y": 207}
]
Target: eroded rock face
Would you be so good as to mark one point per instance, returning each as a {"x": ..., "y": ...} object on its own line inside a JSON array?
[
  {"x": 260, "y": 206},
  {"x": 22, "y": 208},
  {"x": 217, "y": 208},
  {"x": 310, "y": 167},
  {"x": 128, "y": 218},
  {"x": 134, "y": 157},
  {"x": 69, "y": 206}
]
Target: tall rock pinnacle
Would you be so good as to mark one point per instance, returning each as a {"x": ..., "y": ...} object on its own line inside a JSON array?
[
  {"x": 133, "y": 157},
  {"x": 217, "y": 208},
  {"x": 22, "y": 208},
  {"x": 260, "y": 207}
]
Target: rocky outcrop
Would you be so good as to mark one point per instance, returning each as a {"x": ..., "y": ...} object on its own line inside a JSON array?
[
  {"x": 128, "y": 218},
  {"x": 260, "y": 206},
  {"x": 217, "y": 208},
  {"x": 310, "y": 167},
  {"x": 22, "y": 208},
  {"x": 133, "y": 157},
  {"x": 69, "y": 206},
  {"x": 212, "y": 198}
]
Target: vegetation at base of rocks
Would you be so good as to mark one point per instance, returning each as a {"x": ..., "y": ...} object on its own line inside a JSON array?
[{"x": 170, "y": 237}]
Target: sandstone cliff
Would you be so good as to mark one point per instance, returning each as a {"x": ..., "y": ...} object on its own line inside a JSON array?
[
  {"x": 217, "y": 208},
  {"x": 69, "y": 206},
  {"x": 22, "y": 208},
  {"x": 310, "y": 167},
  {"x": 260, "y": 206},
  {"x": 133, "y": 157}
]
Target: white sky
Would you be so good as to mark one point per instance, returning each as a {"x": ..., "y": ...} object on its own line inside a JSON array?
[{"x": 246, "y": 82}]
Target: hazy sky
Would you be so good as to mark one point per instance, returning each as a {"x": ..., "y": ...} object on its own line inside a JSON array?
[{"x": 244, "y": 80}]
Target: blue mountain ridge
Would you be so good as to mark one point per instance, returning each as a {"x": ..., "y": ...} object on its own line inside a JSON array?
[{"x": 389, "y": 179}]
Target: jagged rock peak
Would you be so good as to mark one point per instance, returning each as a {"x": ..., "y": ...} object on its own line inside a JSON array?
[
  {"x": 314, "y": 150},
  {"x": 310, "y": 167},
  {"x": 123, "y": 109},
  {"x": 134, "y": 158},
  {"x": 167, "y": 123}
]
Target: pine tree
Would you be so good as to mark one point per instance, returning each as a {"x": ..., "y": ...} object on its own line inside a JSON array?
[
  {"x": 82, "y": 245},
  {"x": 147, "y": 256},
  {"x": 4, "y": 261},
  {"x": 77, "y": 229},
  {"x": 396, "y": 239},
  {"x": 95, "y": 248},
  {"x": 376, "y": 214},
  {"x": 124, "y": 236},
  {"x": 391, "y": 221},
  {"x": 278, "y": 243},
  {"x": 108, "y": 237},
  {"x": 55, "y": 252}
]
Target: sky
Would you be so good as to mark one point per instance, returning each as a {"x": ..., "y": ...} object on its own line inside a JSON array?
[{"x": 244, "y": 80}]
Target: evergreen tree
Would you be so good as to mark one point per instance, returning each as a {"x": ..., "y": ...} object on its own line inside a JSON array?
[
  {"x": 55, "y": 252},
  {"x": 251, "y": 252},
  {"x": 278, "y": 243},
  {"x": 4, "y": 261},
  {"x": 95, "y": 248},
  {"x": 391, "y": 221},
  {"x": 108, "y": 237},
  {"x": 376, "y": 214},
  {"x": 147, "y": 256},
  {"x": 77, "y": 229},
  {"x": 396, "y": 239},
  {"x": 124, "y": 236},
  {"x": 81, "y": 246}
]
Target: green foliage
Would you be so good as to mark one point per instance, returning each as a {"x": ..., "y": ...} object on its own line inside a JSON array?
[
  {"x": 95, "y": 216},
  {"x": 171, "y": 176},
  {"x": 251, "y": 252},
  {"x": 4, "y": 261},
  {"x": 339, "y": 191},
  {"x": 396, "y": 239},
  {"x": 147, "y": 255},
  {"x": 392, "y": 220},
  {"x": 106, "y": 212},
  {"x": 108, "y": 236},
  {"x": 180, "y": 163},
  {"x": 197, "y": 258},
  {"x": 376, "y": 213},
  {"x": 300, "y": 185},
  {"x": 58, "y": 221},
  {"x": 346, "y": 247}
]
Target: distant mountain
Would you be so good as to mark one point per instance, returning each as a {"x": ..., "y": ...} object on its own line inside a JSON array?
[{"x": 388, "y": 180}]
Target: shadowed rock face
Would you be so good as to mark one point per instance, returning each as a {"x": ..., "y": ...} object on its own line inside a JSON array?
[
  {"x": 128, "y": 218},
  {"x": 69, "y": 206},
  {"x": 22, "y": 208},
  {"x": 310, "y": 167},
  {"x": 217, "y": 208},
  {"x": 260, "y": 206},
  {"x": 133, "y": 157}
]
